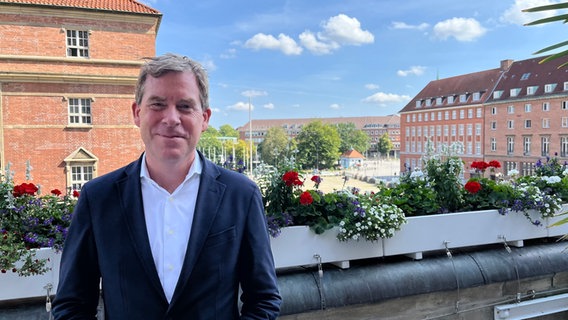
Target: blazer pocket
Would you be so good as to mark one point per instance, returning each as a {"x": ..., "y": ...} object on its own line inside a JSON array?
[{"x": 219, "y": 238}]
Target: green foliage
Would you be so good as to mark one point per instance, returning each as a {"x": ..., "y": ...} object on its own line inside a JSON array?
[
  {"x": 318, "y": 146},
  {"x": 384, "y": 145},
  {"x": 562, "y": 18},
  {"x": 443, "y": 175},
  {"x": 491, "y": 195},
  {"x": 275, "y": 146},
  {"x": 413, "y": 195},
  {"x": 29, "y": 220},
  {"x": 352, "y": 138}
]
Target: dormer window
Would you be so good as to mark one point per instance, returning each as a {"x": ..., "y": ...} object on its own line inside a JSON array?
[
  {"x": 476, "y": 96},
  {"x": 463, "y": 97},
  {"x": 450, "y": 99},
  {"x": 497, "y": 94},
  {"x": 418, "y": 103},
  {"x": 428, "y": 102},
  {"x": 439, "y": 101},
  {"x": 548, "y": 88},
  {"x": 525, "y": 76},
  {"x": 531, "y": 90},
  {"x": 514, "y": 92}
]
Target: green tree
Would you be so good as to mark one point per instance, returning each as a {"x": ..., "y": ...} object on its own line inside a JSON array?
[
  {"x": 352, "y": 138},
  {"x": 275, "y": 146},
  {"x": 209, "y": 144},
  {"x": 384, "y": 145},
  {"x": 228, "y": 131},
  {"x": 318, "y": 145},
  {"x": 561, "y": 17}
]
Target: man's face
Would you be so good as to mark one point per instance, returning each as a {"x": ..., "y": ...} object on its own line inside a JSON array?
[{"x": 170, "y": 117}]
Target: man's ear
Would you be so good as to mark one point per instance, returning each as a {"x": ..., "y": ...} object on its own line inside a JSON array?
[
  {"x": 206, "y": 117},
  {"x": 136, "y": 114}
]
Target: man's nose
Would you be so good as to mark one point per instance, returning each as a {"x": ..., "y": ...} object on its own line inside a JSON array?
[{"x": 171, "y": 115}]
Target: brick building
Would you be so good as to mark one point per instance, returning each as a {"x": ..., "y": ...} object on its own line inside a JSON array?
[
  {"x": 373, "y": 126},
  {"x": 67, "y": 74},
  {"x": 515, "y": 114}
]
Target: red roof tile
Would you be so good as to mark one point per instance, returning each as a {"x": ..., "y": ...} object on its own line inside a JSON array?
[
  {"x": 108, "y": 5},
  {"x": 352, "y": 154}
]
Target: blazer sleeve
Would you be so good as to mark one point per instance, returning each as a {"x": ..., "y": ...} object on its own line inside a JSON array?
[
  {"x": 77, "y": 295},
  {"x": 260, "y": 297}
]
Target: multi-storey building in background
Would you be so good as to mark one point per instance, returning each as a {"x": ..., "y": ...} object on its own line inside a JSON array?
[
  {"x": 515, "y": 114},
  {"x": 373, "y": 126},
  {"x": 67, "y": 74}
]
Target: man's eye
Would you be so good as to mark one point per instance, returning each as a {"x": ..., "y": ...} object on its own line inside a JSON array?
[{"x": 157, "y": 105}]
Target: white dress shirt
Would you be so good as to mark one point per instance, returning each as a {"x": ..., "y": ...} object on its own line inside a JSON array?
[{"x": 168, "y": 221}]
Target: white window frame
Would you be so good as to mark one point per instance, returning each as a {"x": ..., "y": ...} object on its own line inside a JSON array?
[
  {"x": 77, "y": 43},
  {"x": 81, "y": 174},
  {"x": 546, "y": 106},
  {"x": 544, "y": 146},
  {"x": 79, "y": 111},
  {"x": 545, "y": 123}
]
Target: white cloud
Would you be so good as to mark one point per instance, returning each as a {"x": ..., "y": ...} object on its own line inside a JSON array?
[
  {"x": 337, "y": 31},
  {"x": 253, "y": 93},
  {"x": 383, "y": 99},
  {"x": 269, "y": 106},
  {"x": 310, "y": 41},
  {"x": 284, "y": 43},
  {"x": 462, "y": 29},
  {"x": 335, "y": 106},
  {"x": 514, "y": 14},
  {"x": 215, "y": 110},
  {"x": 241, "y": 106},
  {"x": 371, "y": 86},
  {"x": 403, "y": 25},
  {"x": 346, "y": 31},
  {"x": 414, "y": 70}
]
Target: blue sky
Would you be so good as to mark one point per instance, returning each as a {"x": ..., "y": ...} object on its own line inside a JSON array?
[{"x": 342, "y": 58}]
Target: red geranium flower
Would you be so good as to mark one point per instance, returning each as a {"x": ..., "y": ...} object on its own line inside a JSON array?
[
  {"x": 316, "y": 179},
  {"x": 76, "y": 193},
  {"x": 494, "y": 164},
  {"x": 56, "y": 192},
  {"x": 479, "y": 165},
  {"x": 24, "y": 188},
  {"x": 291, "y": 178},
  {"x": 306, "y": 198},
  {"x": 472, "y": 187}
]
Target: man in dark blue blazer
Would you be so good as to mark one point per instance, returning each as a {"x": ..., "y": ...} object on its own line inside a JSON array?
[{"x": 171, "y": 235}]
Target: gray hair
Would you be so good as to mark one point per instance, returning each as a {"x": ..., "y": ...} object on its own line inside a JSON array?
[{"x": 169, "y": 62}]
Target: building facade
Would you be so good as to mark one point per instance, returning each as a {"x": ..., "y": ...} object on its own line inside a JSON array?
[
  {"x": 67, "y": 75},
  {"x": 373, "y": 126},
  {"x": 513, "y": 114}
]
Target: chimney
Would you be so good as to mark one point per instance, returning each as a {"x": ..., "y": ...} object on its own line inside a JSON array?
[{"x": 506, "y": 64}]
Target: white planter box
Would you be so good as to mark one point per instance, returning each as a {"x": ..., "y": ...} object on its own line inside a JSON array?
[
  {"x": 463, "y": 229},
  {"x": 300, "y": 246},
  {"x": 16, "y": 287}
]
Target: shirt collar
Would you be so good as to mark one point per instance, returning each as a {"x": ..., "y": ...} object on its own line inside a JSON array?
[{"x": 196, "y": 168}]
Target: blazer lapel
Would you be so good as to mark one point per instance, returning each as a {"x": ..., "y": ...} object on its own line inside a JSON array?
[
  {"x": 206, "y": 209},
  {"x": 130, "y": 192}
]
